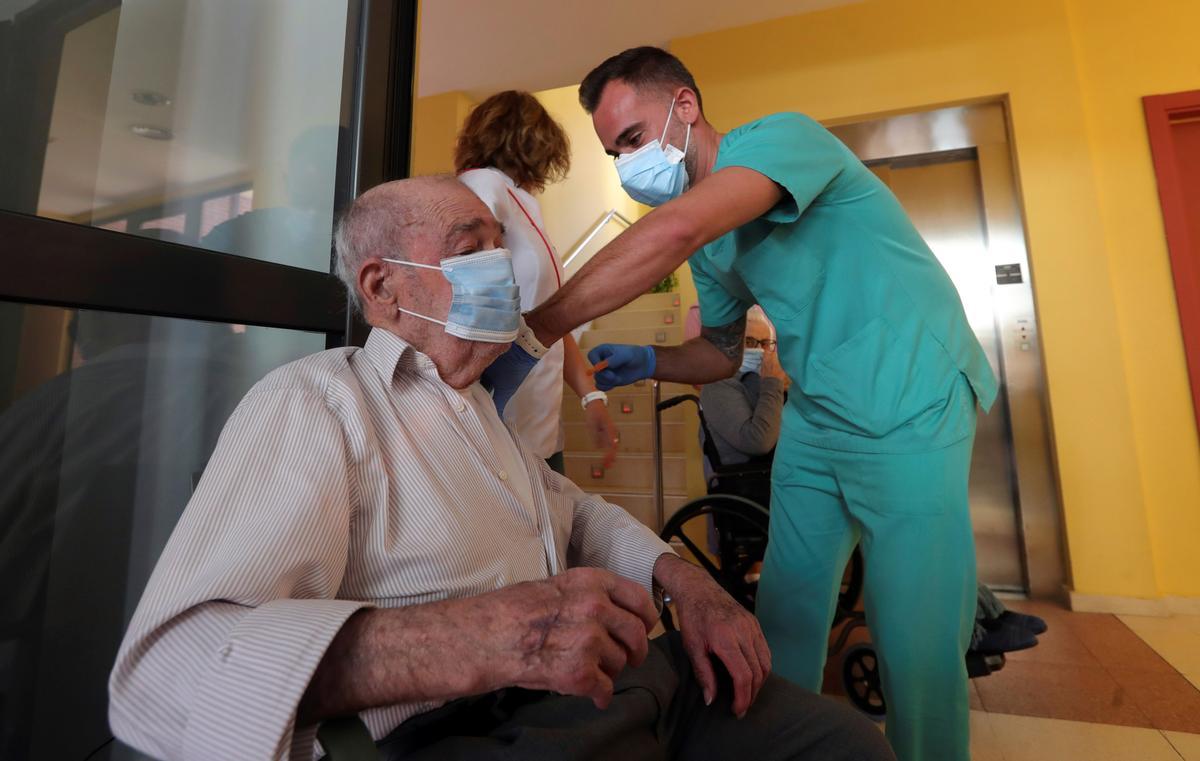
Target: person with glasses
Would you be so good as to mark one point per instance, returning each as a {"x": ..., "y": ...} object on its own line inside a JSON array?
[{"x": 744, "y": 412}]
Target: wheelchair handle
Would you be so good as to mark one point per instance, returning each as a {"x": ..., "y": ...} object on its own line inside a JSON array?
[{"x": 667, "y": 404}]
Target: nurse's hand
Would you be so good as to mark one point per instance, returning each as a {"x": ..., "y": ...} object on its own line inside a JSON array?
[
  {"x": 625, "y": 364},
  {"x": 713, "y": 624}
]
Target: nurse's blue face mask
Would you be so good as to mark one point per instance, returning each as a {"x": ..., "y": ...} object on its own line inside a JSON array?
[
  {"x": 654, "y": 173},
  {"x": 486, "y": 301}
]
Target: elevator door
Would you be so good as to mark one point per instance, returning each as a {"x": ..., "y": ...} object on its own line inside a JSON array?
[{"x": 942, "y": 194}]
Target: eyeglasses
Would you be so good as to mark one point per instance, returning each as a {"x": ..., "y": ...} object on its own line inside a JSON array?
[{"x": 766, "y": 344}]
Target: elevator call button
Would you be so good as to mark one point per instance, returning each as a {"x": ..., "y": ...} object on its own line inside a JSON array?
[{"x": 1007, "y": 274}]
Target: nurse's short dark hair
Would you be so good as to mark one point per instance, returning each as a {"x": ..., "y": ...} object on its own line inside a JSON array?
[{"x": 641, "y": 68}]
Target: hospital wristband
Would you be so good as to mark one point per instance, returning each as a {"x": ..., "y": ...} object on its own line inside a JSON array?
[{"x": 592, "y": 396}]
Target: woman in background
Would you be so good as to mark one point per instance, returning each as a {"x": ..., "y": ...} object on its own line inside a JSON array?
[{"x": 508, "y": 149}]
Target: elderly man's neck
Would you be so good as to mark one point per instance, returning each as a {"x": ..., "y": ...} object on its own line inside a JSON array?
[{"x": 453, "y": 357}]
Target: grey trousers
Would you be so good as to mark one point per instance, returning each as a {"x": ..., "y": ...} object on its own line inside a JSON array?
[{"x": 657, "y": 712}]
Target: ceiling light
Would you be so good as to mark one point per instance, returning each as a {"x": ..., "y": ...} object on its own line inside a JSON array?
[
  {"x": 151, "y": 98},
  {"x": 151, "y": 132}
]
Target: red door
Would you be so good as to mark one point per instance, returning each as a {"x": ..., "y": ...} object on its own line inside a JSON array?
[{"x": 1173, "y": 122}]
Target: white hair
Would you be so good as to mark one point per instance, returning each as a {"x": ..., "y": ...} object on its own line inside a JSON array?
[
  {"x": 376, "y": 224},
  {"x": 370, "y": 227},
  {"x": 756, "y": 314}
]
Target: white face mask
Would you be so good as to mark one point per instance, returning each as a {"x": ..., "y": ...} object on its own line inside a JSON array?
[
  {"x": 751, "y": 361},
  {"x": 486, "y": 305},
  {"x": 654, "y": 173}
]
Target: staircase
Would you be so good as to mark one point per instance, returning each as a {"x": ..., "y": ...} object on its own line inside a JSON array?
[{"x": 651, "y": 319}]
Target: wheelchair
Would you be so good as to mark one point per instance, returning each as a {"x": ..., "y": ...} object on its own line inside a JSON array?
[{"x": 733, "y": 519}]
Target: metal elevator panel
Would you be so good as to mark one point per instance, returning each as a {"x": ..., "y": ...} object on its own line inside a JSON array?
[{"x": 952, "y": 169}]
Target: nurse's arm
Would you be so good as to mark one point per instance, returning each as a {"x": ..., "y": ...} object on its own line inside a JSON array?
[
  {"x": 654, "y": 247},
  {"x": 715, "y": 355}
]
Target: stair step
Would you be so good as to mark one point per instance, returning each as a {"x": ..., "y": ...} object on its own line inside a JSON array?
[
  {"x": 632, "y": 472},
  {"x": 641, "y": 506},
  {"x": 623, "y": 319},
  {"x": 631, "y": 408},
  {"x": 665, "y": 335},
  {"x": 635, "y": 438},
  {"x": 642, "y": 388},
  {"x": 652, "y": 301}
]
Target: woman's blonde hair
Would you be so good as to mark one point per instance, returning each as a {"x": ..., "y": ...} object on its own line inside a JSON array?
[{"x": 513, "y": 133}]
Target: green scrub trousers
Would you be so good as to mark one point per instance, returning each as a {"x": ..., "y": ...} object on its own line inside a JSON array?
[
  {"x": 909, "y": 512},
  {"x": 877, "y": 431}
]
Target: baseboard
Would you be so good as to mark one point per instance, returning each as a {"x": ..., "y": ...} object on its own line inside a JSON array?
[{"x": 1134, "y": 606}]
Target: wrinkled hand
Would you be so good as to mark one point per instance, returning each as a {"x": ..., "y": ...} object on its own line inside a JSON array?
[
  {"x": 603, "y": 430},
  {"x": 713, "y": 624},
  {"x": 626, "y": 364},
  {"x": 571, "y": 634}
]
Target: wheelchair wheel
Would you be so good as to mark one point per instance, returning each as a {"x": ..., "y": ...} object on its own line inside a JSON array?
[
  {"x": 860, "y": 678},
  {"x": 741, "y": 528}
]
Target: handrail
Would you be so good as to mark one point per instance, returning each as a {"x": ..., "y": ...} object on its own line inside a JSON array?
[{"x": 595, "y": 229}]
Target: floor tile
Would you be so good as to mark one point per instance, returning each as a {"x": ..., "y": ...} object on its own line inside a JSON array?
[
  {"x": 1186, "y": 745},
  {"x": 1025, "y": 738},
  {"x": 1060, "y": 691},
  {"x": 1115, "y": 645},
  {"x": 1175, "y": 638},
  {"x": 985, "y": 746},
  {"x": 973, "y": 700},
  {"x": 1168, "y": 700}
]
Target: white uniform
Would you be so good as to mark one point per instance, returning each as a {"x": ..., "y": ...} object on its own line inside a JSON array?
[{"x": 535, "y": 412}]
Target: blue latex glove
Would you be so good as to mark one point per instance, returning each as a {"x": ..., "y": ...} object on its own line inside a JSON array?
[
  {"x": 504, "y": 376},
  {"x": 626, "y": 364}
]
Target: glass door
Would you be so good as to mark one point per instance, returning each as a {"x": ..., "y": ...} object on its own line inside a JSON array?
[{"x": 170, "y": 174}]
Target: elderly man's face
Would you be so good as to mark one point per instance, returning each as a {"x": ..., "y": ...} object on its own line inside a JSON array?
[
  {"x": 458, "y": 224},
  {"x": 625, "y": 119}
]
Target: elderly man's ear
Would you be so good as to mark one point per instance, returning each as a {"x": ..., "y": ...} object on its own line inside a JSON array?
[{"x": 373, "y": 283}]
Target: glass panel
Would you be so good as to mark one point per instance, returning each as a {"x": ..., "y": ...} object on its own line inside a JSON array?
[
  {"x": 138, "y": 115},
  {"x": 107, "y": 420}
]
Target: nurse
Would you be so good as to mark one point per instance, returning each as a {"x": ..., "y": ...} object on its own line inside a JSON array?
[
  {"x": 887, "y": 374},
  {"x": 508, "y": 149}
]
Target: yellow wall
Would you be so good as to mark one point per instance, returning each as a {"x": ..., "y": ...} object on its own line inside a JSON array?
[
  {"x": 436, "y": 119},
  {"x": 1126, "y": 51},
  {"x": 1127, "y": 451}
]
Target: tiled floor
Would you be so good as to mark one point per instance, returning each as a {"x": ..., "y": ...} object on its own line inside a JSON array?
[{"x": 1097, "y": 688}]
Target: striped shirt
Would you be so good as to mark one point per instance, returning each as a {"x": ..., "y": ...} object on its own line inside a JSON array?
[{"x": 348, "y": 479}]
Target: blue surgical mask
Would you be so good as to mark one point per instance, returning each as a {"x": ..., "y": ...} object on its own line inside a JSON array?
[
  {"x": 486, "y": 301},
  {"x": 751, "y": 361},
  {"x": 654, "y": 173}
]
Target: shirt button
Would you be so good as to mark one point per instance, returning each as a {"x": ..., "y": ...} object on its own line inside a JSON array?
[
  {"x": 460, "y": 407},
  {"x": 503, "y": 475}
]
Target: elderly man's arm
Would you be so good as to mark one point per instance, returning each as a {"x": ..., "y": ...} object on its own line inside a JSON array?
[
  {"x": 238, "y": 646},
  {"x": 571, "y": 634},
  {"x": 240, "y": 608},
  {"x": 712, "y": 623},
  {"x": 751, "y": 430}
]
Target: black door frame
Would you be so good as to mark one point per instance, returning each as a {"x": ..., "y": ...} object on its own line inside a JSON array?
[{"x": 80, "y": 267}]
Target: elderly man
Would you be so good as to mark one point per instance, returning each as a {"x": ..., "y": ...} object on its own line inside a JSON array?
[{"x": 369, "y": 538}]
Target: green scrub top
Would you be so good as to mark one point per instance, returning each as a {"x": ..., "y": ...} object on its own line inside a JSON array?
[{"x": 871, "y": 329}]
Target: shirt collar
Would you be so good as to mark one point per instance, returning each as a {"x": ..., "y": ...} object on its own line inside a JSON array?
[
  {"x": 389, "y": 353},
  {"x": 507, "y": 180}
]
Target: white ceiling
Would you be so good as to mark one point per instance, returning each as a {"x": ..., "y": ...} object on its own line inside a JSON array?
[{"x": 482, "y": 46}]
